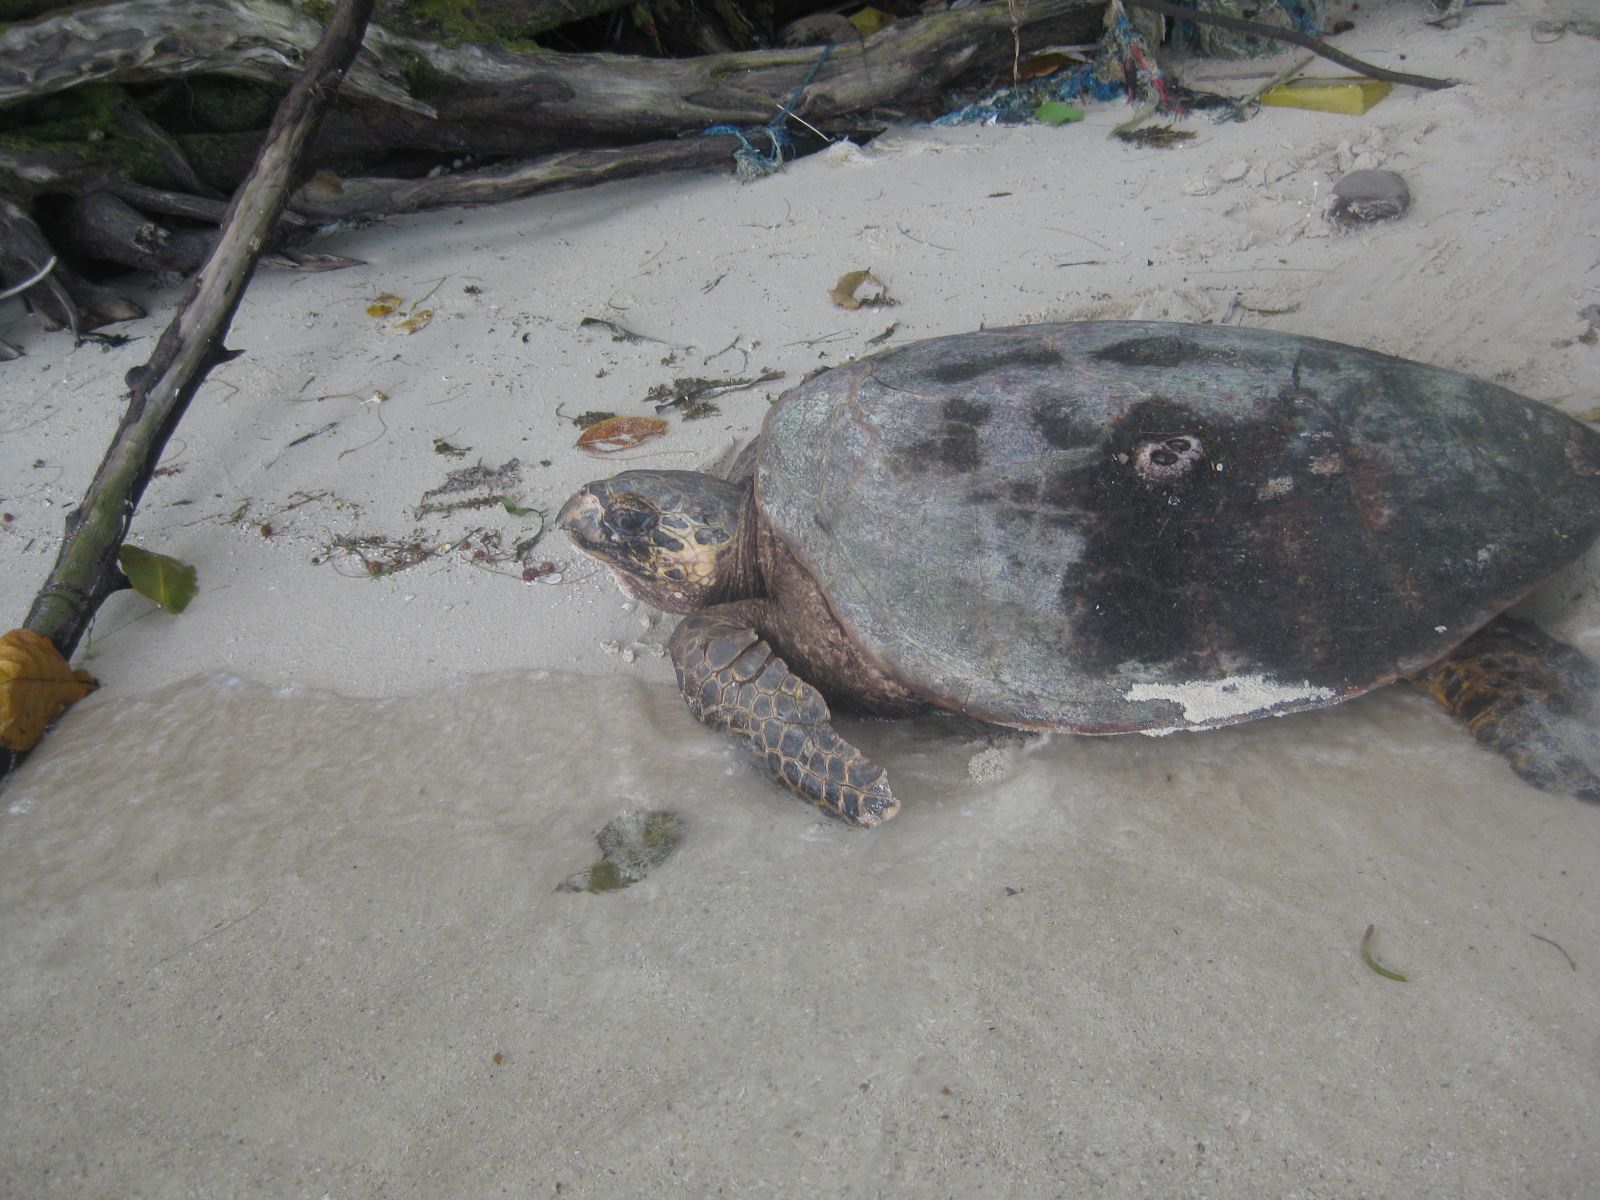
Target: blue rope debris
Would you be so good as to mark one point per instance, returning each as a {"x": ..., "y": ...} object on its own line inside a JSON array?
[
  {"x": 751, "y": 164},
  {"x": 1125, "y": 66}
]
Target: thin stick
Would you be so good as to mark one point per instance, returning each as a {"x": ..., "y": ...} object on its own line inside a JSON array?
[{"x": 85, "y": 571}]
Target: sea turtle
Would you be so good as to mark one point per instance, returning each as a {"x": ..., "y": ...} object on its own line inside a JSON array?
[{"x": 1109, "y": 527}]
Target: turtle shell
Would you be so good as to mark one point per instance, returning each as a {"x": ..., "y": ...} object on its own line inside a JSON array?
[{"x": 1117, "y": 526}]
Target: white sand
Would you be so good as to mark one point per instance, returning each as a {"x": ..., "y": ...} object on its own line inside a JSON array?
[{"x": 263, "y": 938}]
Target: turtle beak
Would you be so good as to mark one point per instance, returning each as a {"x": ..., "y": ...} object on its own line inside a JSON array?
[{"x": 580, "y": 519}]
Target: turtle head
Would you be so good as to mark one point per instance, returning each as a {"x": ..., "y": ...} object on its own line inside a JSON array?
[{"x": 672, "y": 538}]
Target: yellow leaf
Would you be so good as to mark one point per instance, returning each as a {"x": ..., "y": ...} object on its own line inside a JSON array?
[
  {"x": 36, "y": 687},
  {"x": 416, "y": 320},
  {"x": 385, "y": 304}
]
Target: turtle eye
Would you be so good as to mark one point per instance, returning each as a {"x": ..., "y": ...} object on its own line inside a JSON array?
[{"x": 631, "y": 520}]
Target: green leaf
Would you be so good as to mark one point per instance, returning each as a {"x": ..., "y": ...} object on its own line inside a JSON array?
[
  {"x": 516, "y": 510},
  {"x": 1057, "y": 112},
  {"x": 165, "y": 580}
]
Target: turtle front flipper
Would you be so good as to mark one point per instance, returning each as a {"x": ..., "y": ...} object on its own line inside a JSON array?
[
  {"x": 1528, "y": 697},
  {"x": 734, "y": 682}
]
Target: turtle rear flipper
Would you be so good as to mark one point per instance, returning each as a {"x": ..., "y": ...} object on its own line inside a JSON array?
[
  {"x": 734, "y": 682},
  {"x": 1528, "y": 697}
]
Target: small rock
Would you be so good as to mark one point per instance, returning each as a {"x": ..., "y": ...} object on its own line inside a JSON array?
[{"x": 1369, "y": 196}]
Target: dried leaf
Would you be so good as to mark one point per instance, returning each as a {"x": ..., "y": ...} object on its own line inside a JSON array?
[
  {"x": 385, "y": 304},
  {"x": 1037, "y": 66},
  {"x": 167, "y": 581},
  {"x": 844, "y": 292},
  {"x": 417, "y": 320},
  {"x": 36, "y": 686},
  {"x": 620, "y": 433}
]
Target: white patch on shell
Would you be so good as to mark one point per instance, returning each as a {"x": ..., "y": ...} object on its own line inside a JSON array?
[
  {"x": 1215, "y": 702},
  {"x": 1327, "y": 464},
  {"x": 1278, "y": 485}
]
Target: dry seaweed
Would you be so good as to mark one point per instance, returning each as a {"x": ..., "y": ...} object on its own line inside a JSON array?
[
  {"x": 693, "y": 395},
  {"x": 1157, "y": 137}
]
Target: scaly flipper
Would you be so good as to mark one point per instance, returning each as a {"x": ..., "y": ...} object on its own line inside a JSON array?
[
  {"x": 1530, "y": 698},
  {"x": 734, "y": 682}
]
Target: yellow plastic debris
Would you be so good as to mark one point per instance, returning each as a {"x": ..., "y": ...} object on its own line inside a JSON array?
[
  {"x": 1351, "y": 94},
  {"x": 869, "y": 20}
]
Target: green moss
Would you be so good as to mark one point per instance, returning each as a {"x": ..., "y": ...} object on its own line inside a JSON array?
[
  {"x": 85, "y": 121},
  {"x": 462, "y": 22},
  {"x": 210, "y": 104},
  {"x": 422, "y": 81}
]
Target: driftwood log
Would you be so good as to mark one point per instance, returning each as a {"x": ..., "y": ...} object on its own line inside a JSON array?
[
  {"x": 522, "y": 122},
  {"x": 424, "y": 124}
]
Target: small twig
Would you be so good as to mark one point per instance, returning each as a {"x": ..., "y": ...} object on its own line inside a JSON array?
[
  {"x": 904, "y": 232},
  {"x": 810, "y": 126},
  {"x": 383, "y": 431},
  {"x": 1564, "y": 954},
  {"x": 223, "y": 928}
]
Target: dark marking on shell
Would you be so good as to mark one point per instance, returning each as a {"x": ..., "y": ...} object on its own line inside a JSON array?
[
  {"x": 1061, "y": 427},
  {"x": 955, "y": 446},
  {"x": 1021, "y": 356},
  {"x": 1157, "y": 351}
]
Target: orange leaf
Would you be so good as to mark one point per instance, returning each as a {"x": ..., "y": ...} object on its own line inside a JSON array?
[
  {"x": 36, "y": 687},
  {"x": 620, "y": 433}
]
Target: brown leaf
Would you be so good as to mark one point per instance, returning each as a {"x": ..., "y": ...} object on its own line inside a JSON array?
[
  {"x": 844, "y": 292},
  {"x": 620, "y": 433},
  {"x": 416, "y": 320},
  {"x": 386, "y": 303},
  {"x": 36, "y": 687}
]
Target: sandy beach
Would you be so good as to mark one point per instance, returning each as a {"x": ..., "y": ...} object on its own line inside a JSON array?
[{"x": 280, "y": 899}]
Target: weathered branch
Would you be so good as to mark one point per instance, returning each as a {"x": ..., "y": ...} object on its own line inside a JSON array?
[
  {"x": 528, "y": 103},
  {"x": 85, "y": 571},
  {"x": 363, "y": 197},
  {"x": 139, "y": 40}
]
